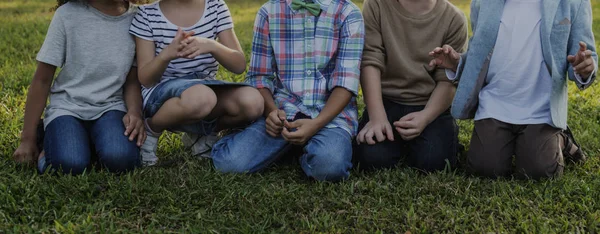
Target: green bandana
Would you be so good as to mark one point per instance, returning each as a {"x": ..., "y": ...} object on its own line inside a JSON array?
[{"x": 313, "y": 8}]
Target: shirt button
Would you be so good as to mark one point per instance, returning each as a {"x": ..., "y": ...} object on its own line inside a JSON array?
[
  {"x": 309, "y": 72},
  {"x": 309, "y": 21}
]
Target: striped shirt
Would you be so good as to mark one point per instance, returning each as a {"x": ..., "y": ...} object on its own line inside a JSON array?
[
  {"x": 151, "y": 24},
  {"x": 301, "y": 58}
]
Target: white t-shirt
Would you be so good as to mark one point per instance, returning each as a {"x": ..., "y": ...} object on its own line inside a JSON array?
[
  {"x": 151, "y": 24},
  {"x": 519, "y": 84}
]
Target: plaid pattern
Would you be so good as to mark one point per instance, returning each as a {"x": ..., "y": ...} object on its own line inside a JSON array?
[{"x": 301, "y": 58}]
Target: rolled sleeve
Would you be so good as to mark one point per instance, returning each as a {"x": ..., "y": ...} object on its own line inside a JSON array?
[
  {"x": 261, "y": 72},
  {"x": 581, "y": 30},
  {"x": 350, "y": 48}
]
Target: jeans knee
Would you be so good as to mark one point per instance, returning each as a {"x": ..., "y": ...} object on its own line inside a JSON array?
[
  {"x": 371, "y": 157},
  {"x": 489, "y": 169},
  {"x": 226, "y": 160},
  {"x": 328, "y": 164},
  {"x": 73, "y": 166},
  {"x": 120, "y": 159},
  {"x": 432, "y": 163},
  {"x": 540, "y": 171}
]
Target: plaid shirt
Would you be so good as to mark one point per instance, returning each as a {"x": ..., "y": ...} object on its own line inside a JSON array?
[{"x": 301, "y": 58}]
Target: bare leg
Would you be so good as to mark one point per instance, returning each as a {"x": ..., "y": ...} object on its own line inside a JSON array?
[
  {"x": 195, "y": 104},
  {"x": 236, "y": 106}
]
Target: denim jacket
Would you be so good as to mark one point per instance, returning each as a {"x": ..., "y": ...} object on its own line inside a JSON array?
[{"x": 564, "y": 24}]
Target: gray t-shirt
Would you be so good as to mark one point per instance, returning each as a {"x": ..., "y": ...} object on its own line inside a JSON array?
[{"x": 95, "y": 52}]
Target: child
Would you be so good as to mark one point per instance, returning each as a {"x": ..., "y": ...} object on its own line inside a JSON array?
[
  {"x": 178, "y": 58},
  {"x": 401, "y": 91},
  {"x": 95, "y": 104},
  {"x": 513, "y": 82},
  {"x": 305, "y": 63}
]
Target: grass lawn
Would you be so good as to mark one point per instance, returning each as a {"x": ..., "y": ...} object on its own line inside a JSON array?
[{"x": 191, "y": 196}]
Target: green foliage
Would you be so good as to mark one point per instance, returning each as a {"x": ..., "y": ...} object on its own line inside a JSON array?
[{"x": 190, "y": 196}]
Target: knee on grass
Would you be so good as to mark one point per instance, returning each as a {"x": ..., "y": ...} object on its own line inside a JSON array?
[
  {"x": 120, "y": 159},
  {"x": 328, "y": 164},
  {"x": 73, "y": 166},
  {"x": 373, "y": 157}
]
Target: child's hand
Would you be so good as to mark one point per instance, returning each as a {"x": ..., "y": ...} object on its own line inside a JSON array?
[
  {"x": 172, "y": 50},
  {"x": 134, "y": 127},
  {"x": 582, "y": 62},
  {"x": 375, "y": 131},
  {"x": 26, "y": 153},
  {"x": 305, "y": 129},
  {"x": 275, "y": 122},
  {"x": 412, "y": 125},
  {"x": 194, "y": 46},
  {"x": 445, "y": 57}
]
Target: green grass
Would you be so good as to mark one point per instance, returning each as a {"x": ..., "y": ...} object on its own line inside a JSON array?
[{"x": 191, "y": 196}]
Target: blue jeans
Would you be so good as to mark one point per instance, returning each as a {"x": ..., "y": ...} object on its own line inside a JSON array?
[
  {"x": 431, "y": 151},
  {"x": 70, "y": 143},
  {"x": 327, "y": 156}
]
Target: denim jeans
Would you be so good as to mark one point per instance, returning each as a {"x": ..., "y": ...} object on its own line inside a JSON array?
[
  {"x": 70, "y": 144},
  {"x": 327, "y": 156},
  {"x": 437, "y": 143}
]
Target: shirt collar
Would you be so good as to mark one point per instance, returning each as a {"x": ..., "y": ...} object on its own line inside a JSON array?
[{"x": 323, "y": 3}]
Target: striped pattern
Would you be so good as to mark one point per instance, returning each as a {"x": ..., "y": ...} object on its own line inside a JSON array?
[
  {"x": 302, "y": 58},
  {"x": 150, "y": 24}
]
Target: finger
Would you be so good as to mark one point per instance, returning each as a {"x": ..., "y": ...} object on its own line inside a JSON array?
[
  {"x": 448, "y": 49},
  {"x": 360, "y": 138},
  {"x": 141, "y": 137},
  {"x": 571, "y": 59},
  {"x": 189, "y": 34},
  {"x": 281, "y": 114},
  {"x": 126, "y": 124},
  {"x": 133, "y": 134},
  {"x": 581, "y": 67},
  {"x": 271, "y": 133},
  {"x": 195, "y": 54},
  {"x": 285, "y": 134},
  {"x": 389, "y": 132},
  {"x": 582, "y": 46},
  {"x": 179, "y": 35},
  {"x": 408, "y": 117},
  {"x": 274, "y": 122},
  {"x": 404, "y": 124},
  {"x": 435, "y": 51},
  {"x": 292, "y": 125},
  {"x": 379, "y": 135},
  {"x": 369, "y": 137},
  {"x": 187, "y": 51},
  {"x": 433, "y": 63}
]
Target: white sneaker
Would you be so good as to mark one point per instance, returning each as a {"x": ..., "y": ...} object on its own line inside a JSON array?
[
  {"x": 201, "y": 145},
  {"x": 148, "y": 149}
]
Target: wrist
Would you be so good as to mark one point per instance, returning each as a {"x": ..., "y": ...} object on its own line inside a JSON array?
[
  {"x": 428, "y": 116},
  {"x": 320, "y": 122},
  {"x": 135, "y": 113},
  {"x": 163, "y": 57},
  {"x": 28, "y": 137}
]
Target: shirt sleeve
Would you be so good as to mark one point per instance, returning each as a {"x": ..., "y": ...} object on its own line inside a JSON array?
[
  {"x": 350, "y": 49},
  {"x": 54, "y": 49},
  {"x": 262, "y": 62},
  {"x": 224, "y": 21},
  {"x": 140, "y": 26},
  {"x": 458, "y": 39},
  {"x": 374, "y": 50},
  {"x": 581, "y": 30},
  {"x": 589, "y": 79}
]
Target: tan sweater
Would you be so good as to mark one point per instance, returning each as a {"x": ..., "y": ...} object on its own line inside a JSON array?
[{"x": 398, "y": 43}]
